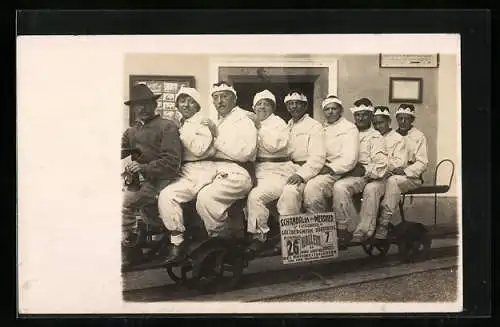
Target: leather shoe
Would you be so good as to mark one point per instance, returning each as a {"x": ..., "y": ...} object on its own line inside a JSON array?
[
  {"x": 344, "y": 236},
  {"x": 256, "y": 246},
  {"x": 176, "y": 254},
  {"x": 131, "y": 256}
]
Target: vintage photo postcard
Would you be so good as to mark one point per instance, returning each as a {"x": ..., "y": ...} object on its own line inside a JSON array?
[{"x": 258, "y": 174}]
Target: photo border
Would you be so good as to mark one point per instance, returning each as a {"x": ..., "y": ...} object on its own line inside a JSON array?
[{"x": 474, "y": 28}]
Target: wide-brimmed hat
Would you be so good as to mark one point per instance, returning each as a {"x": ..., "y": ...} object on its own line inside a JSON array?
[{"x": 140, "y": 93}]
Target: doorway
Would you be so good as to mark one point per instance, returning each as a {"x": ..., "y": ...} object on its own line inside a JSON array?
[
  {"x": 247, "y": 90},
  {"x": 312, "y": 81}
]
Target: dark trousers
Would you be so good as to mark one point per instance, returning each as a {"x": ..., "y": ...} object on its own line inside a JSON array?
[{"x": 144, "y": 199}]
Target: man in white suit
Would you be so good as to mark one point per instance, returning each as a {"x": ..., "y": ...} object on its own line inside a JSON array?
[
  {"x": 342, "y": 147},
  {"x": 235, "y": 144},
  {"x": 197, "y": 168},
  {"x": 365, "y": 178},
  {"x": 306, "y": 149},
  {"x": 273, "y": 166},
  {"x": 409, "y": 176}
]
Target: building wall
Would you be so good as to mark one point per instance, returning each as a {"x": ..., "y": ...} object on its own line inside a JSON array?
[
  {"x": 161, "y": 64},
  {"x": 358, "y": 76}
]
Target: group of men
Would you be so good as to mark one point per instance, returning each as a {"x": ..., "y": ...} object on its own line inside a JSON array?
[{"x": 305, "y": 165}]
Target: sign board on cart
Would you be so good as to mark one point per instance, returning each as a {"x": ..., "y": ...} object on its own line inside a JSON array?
[{"x": 308, "y": 237}]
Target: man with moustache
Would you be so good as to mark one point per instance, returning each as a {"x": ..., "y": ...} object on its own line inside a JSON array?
[
  {"x": 159, "y": 162},
  {"x": 408, "y": 176},
  {"x": 273, "y": 166},
  {"x": 235, "y": 143},
  {"x": 306, "y": 149},
  {"x": 342, "y": 147},
  {"x": 197, "y": 169},
  {"x": 366, "y": 177}
]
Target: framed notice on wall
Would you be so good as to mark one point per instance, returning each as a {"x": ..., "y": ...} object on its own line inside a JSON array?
[
  {"x": 165, "y": 85},
  {"x": 409, "y": 60},
  {"x": 406, "y": 89}
]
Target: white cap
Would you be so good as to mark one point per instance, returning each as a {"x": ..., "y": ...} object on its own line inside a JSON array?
[
  {"x": 382, "y": 112},
  {"x": 327, "y": 101},
  {"x": 266, "y": 94},
  {"x": 405, "y": 110},
  {"x": 361, "y": 108},
  {"x": 295, "y": 96},
  {"x": 223, "y": 87},
  {"x": 192, "y": 92}
]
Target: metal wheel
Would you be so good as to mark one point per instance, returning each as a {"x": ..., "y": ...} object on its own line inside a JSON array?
[
  {"x": 413, "y": 250},
  {"x": 178, "y": 274},
  {"x": 230, "y": 265},
  {"x": 206, "y": 270},
  {"x": 376, "y": 248}
]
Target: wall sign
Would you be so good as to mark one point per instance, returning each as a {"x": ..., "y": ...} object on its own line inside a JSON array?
[
  {"x": 308, "y": 237},
  {"x": 409, "y": 60},
  {"x": 167, "y": 86},
  {"x": 406, "y": 89}
]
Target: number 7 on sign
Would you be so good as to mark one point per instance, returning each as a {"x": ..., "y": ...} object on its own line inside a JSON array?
[{"x": 327, "y": 236}]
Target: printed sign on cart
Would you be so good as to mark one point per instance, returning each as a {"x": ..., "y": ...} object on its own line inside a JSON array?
[{"x": 308, "y": 237}]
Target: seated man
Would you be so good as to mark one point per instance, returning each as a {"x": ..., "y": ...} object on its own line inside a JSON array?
[
  {"x": 365, "y": 178},
  {"x": 197, "y": 171},
  {"x": 306, "y": 148},
  {"x": 273, "y": 166},
  {"x": 159, "y": 161},
  {"x": 342, "y": 143},
  {"x": 409, "y": 176},
  {"x": 397, "y": 154},
  {"x": 235, "y": 143}
]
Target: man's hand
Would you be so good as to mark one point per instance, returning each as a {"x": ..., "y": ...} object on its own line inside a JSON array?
[
  {"x": 326, "y": 171},
  {"x": 399, "y": 171},
  {"x": 211, "y": 126},
  {"x": 134, "y": 167},
  {"x": 388, "y": 174},
  {"x": 295, "y": 180}
]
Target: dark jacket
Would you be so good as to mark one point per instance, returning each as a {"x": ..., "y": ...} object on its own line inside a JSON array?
[{"x": 160, "y": 148}]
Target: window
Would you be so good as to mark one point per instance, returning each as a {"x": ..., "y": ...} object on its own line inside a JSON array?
[{"x": 167, "y": 86}]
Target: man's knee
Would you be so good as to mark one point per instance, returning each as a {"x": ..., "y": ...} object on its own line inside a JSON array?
[
  {"x": 341, "y": 189},
  {"x": 256, "y": 195},
  {"x": 202, "y": 198},
  {"x": 165, "y": 197},
  {"x": 246, "y": 185},
  {"x": 374, "y": 189},
  {"x": 394, "y": 181},
  {"x": 313, "y": 187},
  {"x": 290, "y": 189}
]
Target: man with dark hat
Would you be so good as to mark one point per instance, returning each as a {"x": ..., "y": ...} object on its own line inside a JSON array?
[{"x": 159, "y": 161}]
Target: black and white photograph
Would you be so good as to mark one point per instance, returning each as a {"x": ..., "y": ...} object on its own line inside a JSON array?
[{"x": 325, "y": 176}]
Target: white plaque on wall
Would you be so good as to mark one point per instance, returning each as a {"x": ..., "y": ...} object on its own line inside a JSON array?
[{"x": 409, "y": 60}]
